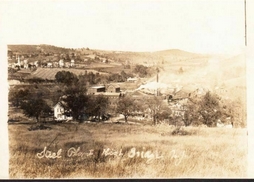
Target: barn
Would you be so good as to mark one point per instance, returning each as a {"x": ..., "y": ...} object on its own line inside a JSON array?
[
  {"x": 113, "y": 88},
  {"x": 96, "y": 89}
]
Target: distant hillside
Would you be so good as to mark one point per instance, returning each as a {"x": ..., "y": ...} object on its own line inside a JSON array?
[
  {"x": 151, "y": 58},
  {"x": 171, "y": 60},
  {"x": 176, "y": 52},
  {"x": 37, "y": 49}
]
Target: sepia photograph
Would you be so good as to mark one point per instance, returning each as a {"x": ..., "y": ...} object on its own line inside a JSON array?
[{"x": 125, "y": 89}]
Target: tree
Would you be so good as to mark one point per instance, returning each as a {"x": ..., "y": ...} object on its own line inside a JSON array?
[
  {"x": 155, "y": 105},
  {"x": 124, "y": 75},
  {"x": 164, "y": 113},
  {"x": 191, "y": 114},
  {"x": 74, "y": 101},
  {"x": 116, "y": 77},
  {"x": 67, "y": 57},
  {"x": 125, "y": 106},
  {"x": 209, "y": 109},
  {"x": 35, "y": 108},
  {"x": 66, "y": 77},
  {"x": 98, "y": 106},
  {"x": 17, "y": 97},
  {"x": 235, "y": 110},
  {"x": 141, "y": 70}
]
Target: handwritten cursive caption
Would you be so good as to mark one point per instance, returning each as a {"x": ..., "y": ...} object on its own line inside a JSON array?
[{"x": 148, "y": 155}]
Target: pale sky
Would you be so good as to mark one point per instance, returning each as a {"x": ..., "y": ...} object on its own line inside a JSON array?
[{"x": 202, "y": 26}]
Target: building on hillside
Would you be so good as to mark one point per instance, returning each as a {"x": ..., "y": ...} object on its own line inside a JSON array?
[
  {"x": 113, "y": 98},
  {"x": 56, "y": 64},
  {"x": 61, "y": 63},
  {"x": 113, "y": 88},
  {"x": 72, "y": 63},
  {"x": 49, "y": 65},
  {"x": 178, "y": 102},
  {"x": 36, "y": 64},
  {"x": 179, "y": 107},
  {"x": 133, "y": 80},
  {"x": 59, "y": 112},
  {"x": 96, "y": 89},
  {"x": 18, "y": 63},
  {"x": 67, "y": 64},
  {"x": 25, "y": 64},
  {"x": 112, "y": 92}
]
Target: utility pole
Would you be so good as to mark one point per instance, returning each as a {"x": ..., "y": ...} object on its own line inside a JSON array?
[{"x": 245, "y": 17}]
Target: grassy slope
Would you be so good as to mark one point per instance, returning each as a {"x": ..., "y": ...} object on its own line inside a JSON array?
[{"x": 208, "y": 152}]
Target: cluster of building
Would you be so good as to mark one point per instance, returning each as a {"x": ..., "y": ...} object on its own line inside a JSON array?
[
  {"x": 23, "y": 63},
  {"x": 177, "y": 102},
  {"x": 50, "y": 64},
  {"x": 60, "y": 64}
]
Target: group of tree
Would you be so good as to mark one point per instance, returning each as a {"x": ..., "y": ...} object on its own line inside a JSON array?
[
  {"x": 66, "y": 77},
  {"x": 141, "y": 70},
  {"x": 154, "y": 106},
  {"x": 32, "y": 103},
  {"x": 90, "y": 78},
  {"x": 210, "y": 108},
  {"x": 126, "y": 106}
]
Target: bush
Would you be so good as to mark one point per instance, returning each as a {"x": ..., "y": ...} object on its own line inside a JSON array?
[
  {"x": 39, "y": 127},
  {"x": 180, "y": 131}
]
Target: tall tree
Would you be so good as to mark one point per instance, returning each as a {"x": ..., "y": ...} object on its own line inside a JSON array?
[
  {"x": 17, "y": 97},
  {"x": 35, "y": 108},
  {"x": 125, "y": 106},
  {"x": 209, "y": 108},
  {"x": 155, "y": 105},
  {"x": 191, "y": 114},
  {"x": 74, "y": 101},
  {"x": 98, "y": 106},
  {"x": 141, "y": 70}
]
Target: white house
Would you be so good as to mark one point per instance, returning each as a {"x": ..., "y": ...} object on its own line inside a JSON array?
[
  {"x": 61, "y": 63},
  {"x": 59, "y": 112},
  {"x": 49, "y": 65},
  {"x": 25, "y": 64},
  {"x": 72, "y": 63}
]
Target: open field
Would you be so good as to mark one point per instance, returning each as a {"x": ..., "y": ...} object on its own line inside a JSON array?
[
  {"x": 49, "y": 73},
  {"x": 111, "y": 151}
]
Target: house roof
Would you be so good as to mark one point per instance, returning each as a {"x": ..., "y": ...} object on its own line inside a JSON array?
[
  {"x": 58, "y": 104},
  {"x": 99, "y": 86},
  {"x": 114, "y": 85}
]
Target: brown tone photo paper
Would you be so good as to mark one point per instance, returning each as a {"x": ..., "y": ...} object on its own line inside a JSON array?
[{"x": 126, "y": 89}]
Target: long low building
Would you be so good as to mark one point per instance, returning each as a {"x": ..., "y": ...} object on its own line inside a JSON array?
[{"x": 96, "y": 89}]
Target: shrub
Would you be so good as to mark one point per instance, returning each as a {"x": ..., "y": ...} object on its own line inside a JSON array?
[{"x": 180, "y": 131}]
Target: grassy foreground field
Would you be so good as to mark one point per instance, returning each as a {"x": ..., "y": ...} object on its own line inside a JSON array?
[{"x": 100, "y": 150}]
